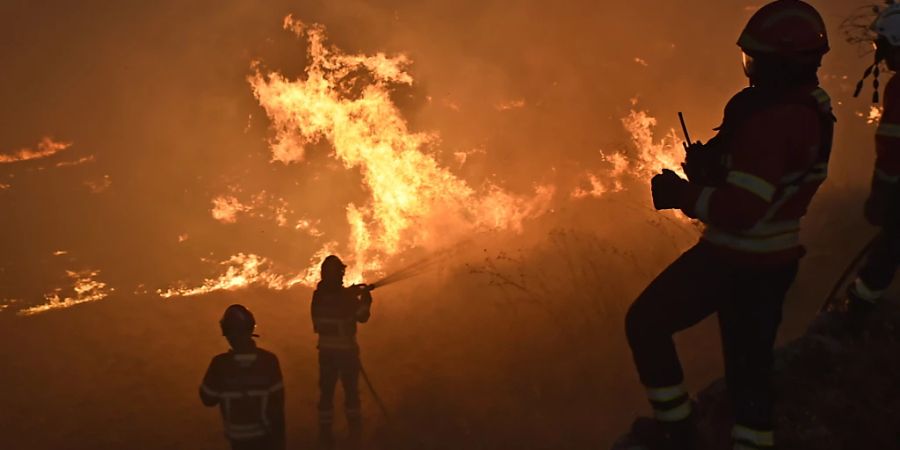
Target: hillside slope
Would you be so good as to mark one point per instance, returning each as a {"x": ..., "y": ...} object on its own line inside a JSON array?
[{"x": 835, "y": 391}]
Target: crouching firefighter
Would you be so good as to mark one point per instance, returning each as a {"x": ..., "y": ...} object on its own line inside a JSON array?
[
  {"x": 882, "y": 208},
  {"x": 246, "y": 384},
  {"x": 335, "y": 312},
  {"x": 750, "y": 185}
]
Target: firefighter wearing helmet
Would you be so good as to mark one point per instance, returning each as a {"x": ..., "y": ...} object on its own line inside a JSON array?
[
  {"x": 882, "y": 208},
  {"x": 246, "y": 384},
  {"x": 750, "y": 185},
  {"x": 336, "y": 310}
]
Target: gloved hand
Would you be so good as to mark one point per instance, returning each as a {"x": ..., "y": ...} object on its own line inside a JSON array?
[
  {"x": 364, "y": 292},
  {"x": 668, "y": 189}
]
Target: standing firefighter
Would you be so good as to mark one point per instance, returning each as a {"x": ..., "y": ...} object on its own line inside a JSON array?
[
  {"x": 246, "y": 384},
  {"x": 750, "y": 185},
  {"x": 883, "y": 205},
  {"x": 335, "y": 312}
]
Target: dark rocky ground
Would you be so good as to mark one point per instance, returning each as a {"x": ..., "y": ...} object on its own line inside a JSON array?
[{"x": 836, "y": 390}]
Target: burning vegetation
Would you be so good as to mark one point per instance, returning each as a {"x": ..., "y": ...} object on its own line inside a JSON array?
[{"x": 503, "y": 162}]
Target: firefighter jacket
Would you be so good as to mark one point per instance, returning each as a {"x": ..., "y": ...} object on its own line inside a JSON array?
[
  {"x": 772, "y": 151},
  {"x": 335, "y": 312},
  {"x": 248, "y": 388},
  {"x": 887, "y": 142}
]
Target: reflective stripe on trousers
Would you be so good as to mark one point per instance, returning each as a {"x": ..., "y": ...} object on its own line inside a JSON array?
[
  {"x": 748, "y": 301},
  {"x": 751, "y": 438},
  {"x": 670, "y": 403}
]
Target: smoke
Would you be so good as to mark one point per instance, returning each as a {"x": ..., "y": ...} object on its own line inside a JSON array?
[{"x": 209, "y": 178}]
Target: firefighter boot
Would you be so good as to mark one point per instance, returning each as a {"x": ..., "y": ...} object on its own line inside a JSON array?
[
  {"x": 355, "y": 426},
  {"x": 858, "y": 313}
]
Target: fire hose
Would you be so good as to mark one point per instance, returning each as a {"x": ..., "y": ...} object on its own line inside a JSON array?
[{"x": 412, "y": 270}]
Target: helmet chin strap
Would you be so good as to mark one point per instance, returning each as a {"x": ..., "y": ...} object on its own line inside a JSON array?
[{"x": 874, "y": 69}]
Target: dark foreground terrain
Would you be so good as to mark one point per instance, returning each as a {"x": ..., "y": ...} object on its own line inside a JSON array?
[
  {"x": 837, "y": 390},
  {"x": 522, "y": 349}
]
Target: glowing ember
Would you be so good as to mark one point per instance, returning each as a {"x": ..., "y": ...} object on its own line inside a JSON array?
[
  {"x": 46, "y": 147},
  {"x": 310, "y": 227},
  {"x": 512, "y": 104},
  {"x": 345, "y": 100},
  {"x": 874, "y": 117},
  {"x": 76, "y": 162},
  {"x": 86, "y": 288},
  {"x": 99, "y": 185}
]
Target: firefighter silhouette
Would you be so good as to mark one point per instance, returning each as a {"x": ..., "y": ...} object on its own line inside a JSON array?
[
  {"x": 882, "y": 208},
  {"x": 750, "y": 185},
  {"x": 335, "y": 312},
  {"x": 246, "y": 384}
]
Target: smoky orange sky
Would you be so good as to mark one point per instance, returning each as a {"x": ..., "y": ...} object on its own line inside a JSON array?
[
  {"x": 122, "y": 122},
  {"x": 155, "y": 102}
]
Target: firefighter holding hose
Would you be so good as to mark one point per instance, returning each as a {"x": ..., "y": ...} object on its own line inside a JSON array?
[
  {"x": 750, "y": 185},
  {"x": 336, "y": 311}
]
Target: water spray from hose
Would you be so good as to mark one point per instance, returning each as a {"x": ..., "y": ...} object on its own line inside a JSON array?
[{"x": 417, "y": 268}]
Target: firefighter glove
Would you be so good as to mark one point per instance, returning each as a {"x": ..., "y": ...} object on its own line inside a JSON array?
[{"x": 668, "y": 190}]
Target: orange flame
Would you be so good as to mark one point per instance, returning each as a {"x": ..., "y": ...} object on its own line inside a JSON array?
[
  {"x": 226, "y": 208},
  {"x": 46, "y": 147},
  {"x": 653, "y": 156},
  {"x": 242, "y": 271},
  {"x": 86, "y": 289},
  {"x": 345, "y": 100},
  {"x": 874, "y": 115},
  {"x": 650, "y": 157}
]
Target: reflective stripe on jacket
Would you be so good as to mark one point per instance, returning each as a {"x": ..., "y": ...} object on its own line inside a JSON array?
[
  {"x": 249, "y": 390},
  {"x": 777, "y": 149}
]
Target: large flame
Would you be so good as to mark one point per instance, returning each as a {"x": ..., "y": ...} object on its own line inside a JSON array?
[
  {"x": 647, "y": 157},
  {"x": 653, "y": 156},
  {"x": 345, "y": 100}
]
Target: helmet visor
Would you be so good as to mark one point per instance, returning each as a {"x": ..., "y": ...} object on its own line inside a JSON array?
[{"x": 749, "y": 64}]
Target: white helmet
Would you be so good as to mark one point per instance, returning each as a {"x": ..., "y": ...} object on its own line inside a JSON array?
[
  {"x": 887, "y": 29},
  {"x": 887, "y": 25}
]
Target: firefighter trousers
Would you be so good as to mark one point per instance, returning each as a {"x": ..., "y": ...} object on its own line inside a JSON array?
[
  {"x": 340, "y": 365},
  {"x": 882, "y": 262},
  {"x": 748, "y": 301}
]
